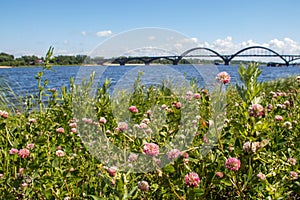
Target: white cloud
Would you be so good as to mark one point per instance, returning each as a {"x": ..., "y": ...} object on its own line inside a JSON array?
[
  {"x": 83, "y": 33},
  {"x": 228, "y": 46},
  {"x": 194, "y": 39},
  {"x": 285, "y": 46},
  {"x": 104, "y": 33}
]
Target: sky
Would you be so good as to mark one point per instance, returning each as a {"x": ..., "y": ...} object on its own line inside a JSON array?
[{"x": 75, "y": 27}]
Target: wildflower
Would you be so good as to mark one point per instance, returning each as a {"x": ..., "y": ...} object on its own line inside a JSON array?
[
  {"x": 246, "y": 147},
  {"x": 24, "y": 184},
  {"x": 223, "y": 77},
  {"x": 151, "y": 149},
  {"x": 143, "y": 125},
  {"x": 173, "y": 154},
  {"x": 146, "y": 121},
  {"x": 60, "y": 153},
  {"x": 122, "y": 126},
  {"x": 192, "y": 179},
  {"x": 270, "y": 107},
  {"x": 102, "y": 120},
  {"x": 287, "y": 103},
  {"x": 13, "y": 151},
  {"x": 133, "y": 109},
  {"x": 189, "y": 95},
  {"x": 112, "y": 171},
  {"x": 60, "y": 130},
  {"x": 21, "y": 170},
  {"x": 132, "y": 157},
  {"x": 1, "y": 175},
  {"x": 32, "y": 120},
  {"x": 3, "y": 114},
  {"x": 278, "y": 118},
  {"x": 148, "y": 130},
  {"x": 219, "y": 174},
  {"x": 298, "y": 79},
  {"x": 256, "y": 110},
  {"x": 255, "y": 146},
  {"x": 149, "y": 112},
  {"x": 30, "y": 146},
  {"x": 185, "y": 156},
  {"x": 143, "y": 185},
  {"x": 233, "y": 164},
  {"x": 53, "y": 89},
  {"x": 74, "y": 120},
  {"x": 197, "y": 96},
  {"x": 287, "y": 125},
  {"x": 23, "y": 153},
  {"x": 177, "y": 105},
  {"x": 294, "y": 175},
  {"x": 281, "y": 106},
  {"x": 164, "y": 106},
  {"x": 261, "y": 176},
  {"x": 73, "y": 130},
  {"x": 292, "y": 161},
  {"x": 73, "y": 125}
]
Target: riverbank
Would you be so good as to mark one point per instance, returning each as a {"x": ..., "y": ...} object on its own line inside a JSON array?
[{"x": 5, "y": 67}]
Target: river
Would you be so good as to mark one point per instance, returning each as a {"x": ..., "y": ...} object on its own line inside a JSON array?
[{"x": 23, "y": 82}]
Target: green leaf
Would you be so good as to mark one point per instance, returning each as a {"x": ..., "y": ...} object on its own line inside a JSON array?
[
  {"x": 198, "y": 191},
  {"x": 226, "y": 182},
  {"x": 169, "y": 168},
  {"x": 55, "y": 163}
]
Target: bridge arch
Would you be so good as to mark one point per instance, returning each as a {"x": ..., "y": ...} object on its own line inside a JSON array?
[
  {"x": 200, "y": 48},
  {"x": 257, "y": 47},
  {"x": 294, "y": 59}
]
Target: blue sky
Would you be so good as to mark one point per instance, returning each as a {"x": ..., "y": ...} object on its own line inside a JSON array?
[{"x": 78, "y": 26}]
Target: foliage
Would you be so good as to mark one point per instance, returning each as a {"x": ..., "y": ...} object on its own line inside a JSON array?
[
  {"x": 33, "y": 60},
  {"x": 63, "y": 163}
]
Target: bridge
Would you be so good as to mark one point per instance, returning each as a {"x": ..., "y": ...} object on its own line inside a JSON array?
[{"x": 286, "y": 58}]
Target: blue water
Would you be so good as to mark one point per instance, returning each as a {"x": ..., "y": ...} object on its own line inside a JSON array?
[{"x": 23, "y": 82}]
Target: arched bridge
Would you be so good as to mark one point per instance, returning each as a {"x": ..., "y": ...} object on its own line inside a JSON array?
[{"x": 287, "y": 59}]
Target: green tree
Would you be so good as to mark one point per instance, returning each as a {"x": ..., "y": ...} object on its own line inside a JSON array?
[{"x": 4, "y": 57}]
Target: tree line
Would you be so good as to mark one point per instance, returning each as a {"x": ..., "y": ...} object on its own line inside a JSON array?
[{"x": 26, "y": 60}]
